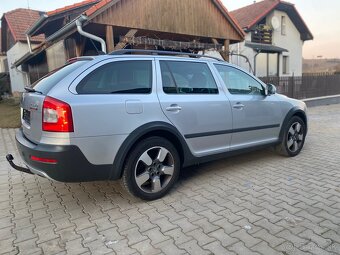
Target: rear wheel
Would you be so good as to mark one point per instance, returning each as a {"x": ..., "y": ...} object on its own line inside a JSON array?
[
  {"x": 294, "y": 138},
  {"x": 151, "y": 169}
]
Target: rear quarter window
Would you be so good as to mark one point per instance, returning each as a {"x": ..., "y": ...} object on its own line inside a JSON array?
[
  {"x": 119, "y": 77},
  {"x": 46, "y": 83}
]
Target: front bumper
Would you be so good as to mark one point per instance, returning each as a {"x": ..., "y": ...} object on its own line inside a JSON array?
[{"x": 71, "y": 166}]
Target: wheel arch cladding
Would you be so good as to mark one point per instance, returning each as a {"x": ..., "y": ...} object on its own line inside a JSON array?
[
  {"x": 293, "y": 112},
  {"x": 161, "y": 129}
]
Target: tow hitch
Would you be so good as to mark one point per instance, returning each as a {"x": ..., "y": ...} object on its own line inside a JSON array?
[{"x": 10, "y": 159}]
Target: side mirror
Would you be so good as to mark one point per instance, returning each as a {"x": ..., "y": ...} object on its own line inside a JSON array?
[{"x": 271, "y": 89}]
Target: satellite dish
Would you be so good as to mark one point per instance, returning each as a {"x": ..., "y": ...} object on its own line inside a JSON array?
[{"x": 275, "y": 22}]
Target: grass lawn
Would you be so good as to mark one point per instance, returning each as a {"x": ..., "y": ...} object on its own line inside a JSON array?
[{"x": 9, "y": 113}]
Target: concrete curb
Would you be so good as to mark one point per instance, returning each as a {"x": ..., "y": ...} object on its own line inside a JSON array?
[{"x": 319, "y": 101}]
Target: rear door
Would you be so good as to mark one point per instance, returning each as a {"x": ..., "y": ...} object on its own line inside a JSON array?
[
  {"x": 115, "y": 97},
  {"x": 191, "y": 99},
  {"x": 256, "y": 117},
  {"x": 32, "y": 102}
]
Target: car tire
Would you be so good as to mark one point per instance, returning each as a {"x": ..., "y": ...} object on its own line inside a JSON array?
[
  {"x": 151, "y": 169},
  {"x": 293, "y": 138}
]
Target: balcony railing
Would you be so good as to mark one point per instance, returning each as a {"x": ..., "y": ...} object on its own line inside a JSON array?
[{"x": 262, "y": 34}]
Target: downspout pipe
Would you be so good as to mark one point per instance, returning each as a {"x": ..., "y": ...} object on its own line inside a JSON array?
[
  {"x": 29, "y": 43},
  {"x": 255, "y": 56},
  {"x": 32, "y": 29},
  {"x": 79, "y": 24}
]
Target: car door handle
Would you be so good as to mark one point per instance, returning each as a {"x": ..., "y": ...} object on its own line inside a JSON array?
[
  {"x": 238, "y": 106},
  {"x": 174, "y": 108}
]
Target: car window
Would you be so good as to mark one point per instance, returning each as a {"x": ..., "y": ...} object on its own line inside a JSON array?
[
  {"x": 120, "y": 77},
  {"x": 238, "y": 82},
  {"x": 179, "y": 77},
  {"x": 46, "y": 83}
]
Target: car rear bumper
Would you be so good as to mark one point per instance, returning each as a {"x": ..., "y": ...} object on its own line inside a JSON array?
[{"x": 71, "y": 165}]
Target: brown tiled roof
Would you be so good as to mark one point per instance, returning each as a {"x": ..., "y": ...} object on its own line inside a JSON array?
[
  {"x": 249, "y": 15},
  {"x": 19, "y": 20},
  {"x": 70, "y": 7}
]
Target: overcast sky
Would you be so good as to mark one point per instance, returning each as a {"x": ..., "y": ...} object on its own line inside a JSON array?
[{"x": 321, "y": 16}]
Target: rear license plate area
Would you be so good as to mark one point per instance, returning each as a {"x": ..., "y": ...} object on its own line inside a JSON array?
[{"x": 26, "y": 116}]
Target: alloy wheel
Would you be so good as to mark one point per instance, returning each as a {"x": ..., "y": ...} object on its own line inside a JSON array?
[
  {"x": 154, "y": 169},
  {"x": 295, "y": 137}
]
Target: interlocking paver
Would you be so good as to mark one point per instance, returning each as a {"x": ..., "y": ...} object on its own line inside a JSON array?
[
  {"x": 121, "y": 247},
  {"x": 296, "y": 240},
  {"x": 186, "y": 225},
  {"x": 52, "y": 246},
  {"x": 249, "y": 215},
  {"x": 272, "y": 240},
  {"x": 193, "y": 248},
  {"x": 205, "y": 225},
  {"x": 133, "y": 235},
  {"x": 257, "y": 203},
  {"x": 246, "y": 238},
  {"x": 200, "y": 236},
  {"x": 28, "y": 246},
  {"x": 217, "y": 249},
  {"x": 270, "y": 227},
  {"x": 168, "y": 247},
  {"x": 6, "y": 245},
  {"x": 145, "y": 248},
  {"x": 228, "y": 227},
  {"x": 264, "y": 248},
  {"x": 155, "y": 235},
  {"x": 178, "y": 236},
  {"x": 240, "y": 249},
  {"x": 225, "y": 239},
  {"x": 98, "y": 247}
]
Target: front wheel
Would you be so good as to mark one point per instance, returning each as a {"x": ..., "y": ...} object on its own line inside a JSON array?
[
  {"x": 293, "y": 138},
  {"x": 151, "y": 169}
]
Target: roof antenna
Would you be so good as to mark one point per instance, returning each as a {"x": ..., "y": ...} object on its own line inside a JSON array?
[{"x": 28, "y": 4}]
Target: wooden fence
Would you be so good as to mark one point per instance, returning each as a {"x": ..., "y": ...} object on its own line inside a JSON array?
[{"x": 306, "y": 86}]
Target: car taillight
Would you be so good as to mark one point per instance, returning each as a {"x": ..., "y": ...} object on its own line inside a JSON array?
[{"x": 56, "y": 116}]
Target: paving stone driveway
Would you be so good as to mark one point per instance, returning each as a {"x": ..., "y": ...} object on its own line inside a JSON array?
[{"x": 257, "y": 203}]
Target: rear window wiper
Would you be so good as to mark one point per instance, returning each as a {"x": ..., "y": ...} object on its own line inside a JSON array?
[{"x": 28, "y": 89}]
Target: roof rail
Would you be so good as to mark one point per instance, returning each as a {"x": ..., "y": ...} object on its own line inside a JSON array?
[{"x": 162, "y": 52}]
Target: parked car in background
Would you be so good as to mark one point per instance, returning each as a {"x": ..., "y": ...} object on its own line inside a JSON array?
[{"x": 142, "y": 118}]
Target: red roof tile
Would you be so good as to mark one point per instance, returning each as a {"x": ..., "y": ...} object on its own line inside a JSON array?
[
  {"x": 70, "y": 7},
  {"x": 248, "y": 16},
  {"x": 19, "y": 20},
  {"x": 96, "y": 7}
]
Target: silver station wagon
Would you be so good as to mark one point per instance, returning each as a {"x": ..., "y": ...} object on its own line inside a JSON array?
[{"x": 143, "y": 117}]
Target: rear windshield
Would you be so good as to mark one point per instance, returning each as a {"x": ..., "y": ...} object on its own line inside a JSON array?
[{"x": 46, "y": 83}]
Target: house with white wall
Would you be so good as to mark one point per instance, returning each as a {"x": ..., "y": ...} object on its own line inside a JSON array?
[
  {"x": 275, "y": 34},
  {"x": 14, "y": 25}
]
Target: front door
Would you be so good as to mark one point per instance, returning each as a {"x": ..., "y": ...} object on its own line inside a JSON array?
[
  {"x": 195, "y": 105},
  {"x": 256, "y": 117}
]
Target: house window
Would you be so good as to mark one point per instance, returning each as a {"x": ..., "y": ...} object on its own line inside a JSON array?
[
  {"x": 285, "y": 65},
  {"x": 283, "y": 25}
]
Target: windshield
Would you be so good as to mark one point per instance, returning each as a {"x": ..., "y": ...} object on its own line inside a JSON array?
[{"x": 46, "y": 83}]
